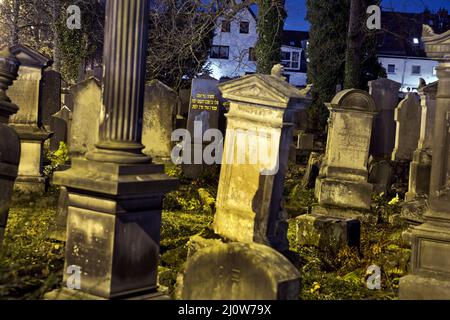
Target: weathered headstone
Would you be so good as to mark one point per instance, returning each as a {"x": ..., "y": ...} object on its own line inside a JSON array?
[
  {"x": 239, "y": 271},
  {"x": 258, "y": 139},
  {"x": 87, "y": 97},
  {"x": 342, "y": 188},
  {"x": 407, "y": 117},
  {"x": 160, "y": 109},
  {"x": 60, "y": 126},
  {"x": 381, "y": 174},
  {"x": 430, "y": 274},
  {"x": 385, "y": 93},
  {"x": 26, "y": 93},
  {"x": 50, "y": 97},
  {"x": 115, "y": 192},
  {"x": 9, "y": 140},
  {"x": 420, "y": 169}
]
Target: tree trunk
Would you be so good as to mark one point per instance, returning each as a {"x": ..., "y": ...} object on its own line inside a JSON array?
[
  {"x": 15, "y": 20},
  {"x": 56, "y": 10},
  {"x": 354, "y": 43}
]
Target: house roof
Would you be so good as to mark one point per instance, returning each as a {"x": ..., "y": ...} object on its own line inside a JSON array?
[
  {"x": 400, "y": 29},
  {"x": 294, "y": 38}
]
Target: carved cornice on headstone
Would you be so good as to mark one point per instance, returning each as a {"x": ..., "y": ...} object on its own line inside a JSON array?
[
  {"x": 353, "y": 99},
  {"x": 29, "y": 57},
  {"x": 261, "y": 89},
  {"x": 436, "y": 45}
]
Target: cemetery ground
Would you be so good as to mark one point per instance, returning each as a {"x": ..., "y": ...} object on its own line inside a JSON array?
[{"x": 32, "y": 263}]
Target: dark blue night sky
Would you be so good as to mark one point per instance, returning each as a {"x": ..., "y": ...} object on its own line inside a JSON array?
[{"x": 297, "y": 9}]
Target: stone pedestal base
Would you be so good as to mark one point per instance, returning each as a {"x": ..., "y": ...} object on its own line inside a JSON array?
[
  {"x": 31, "y": 184},
  {"x": 414, "y": 287},
  {"x": 328, "y": 233},
  {"x": 419, "y": 175},
  {"x": 68, "y": 294},
  {"x": 113, "y": 225},
  {"x": 347, "y": 194},
  {"x": 430, "y": 261},
  {"x": 344, "y": 213}
]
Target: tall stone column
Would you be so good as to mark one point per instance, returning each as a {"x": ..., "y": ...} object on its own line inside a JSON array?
[
  {"x": 115, "y": 194},
  {"x": 430, "y": 276},
  {"x": 9, "y": 140}
]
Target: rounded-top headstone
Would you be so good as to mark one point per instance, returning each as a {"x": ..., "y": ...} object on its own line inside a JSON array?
[
  {"x": 353, "y": 99},
  {"x": 238, "y": 271}
]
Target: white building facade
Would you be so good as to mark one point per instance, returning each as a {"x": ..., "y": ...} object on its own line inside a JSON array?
[{"x": 232, "y": 53}]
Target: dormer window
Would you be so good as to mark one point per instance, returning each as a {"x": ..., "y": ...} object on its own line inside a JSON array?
[{"x": 244, "y": 27}]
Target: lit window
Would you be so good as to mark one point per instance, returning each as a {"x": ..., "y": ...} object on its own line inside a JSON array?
[
  {"x": 416, "y": 40},
  {"x": 391, "y": 68},
  {"x": 435, "y": 71},
  {"x": 416, "y": 70},
  {"x": 226, "y": 26},
  {"x": 244, "y": 27}
]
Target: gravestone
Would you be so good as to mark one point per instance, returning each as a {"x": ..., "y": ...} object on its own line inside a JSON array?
[
  {"x": 87, "y": 98},
  {"x": 258, "y": 139},
  {"x": 239, "y": 271},
  {"x": 407, "y": 117},
  {"x": 385, "y": 93},
  {"x": 420, "y": 169},
  {"x": 26, "y": 94},
  {"x": 60, "y": 126},
  {"x": 160, "y": 109},
  {"x": 430, "y": 259},
  {"x": 9, "y": 140},
  {"x": 205, "y": 108},
  {"x": 342, "y": 188},
  {"x": 50, "y": 99}
]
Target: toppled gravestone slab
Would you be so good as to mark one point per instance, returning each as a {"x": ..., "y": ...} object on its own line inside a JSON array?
[{"x": 239, "y": 271}]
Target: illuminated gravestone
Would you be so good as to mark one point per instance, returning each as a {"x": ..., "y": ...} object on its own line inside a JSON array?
[
  {"x": 385, "y": 94},
  {"x": 258, "y": 139},
  {"x": 26, "y": 94},
  {"x": 250, "y": 263},
  {"x": 205, "y": 112},
  {"x": 160, "y": 109},
  {"x": 407, "y": 117},
  {"x": 87, "y": 108},
  {"x": 116, "y": 192},
  {"x": 342, "y": 188},
  {"x": 430, "y": 262},
  {"x": 420, "y": 170},
  {"x": 9, "y": 140}
]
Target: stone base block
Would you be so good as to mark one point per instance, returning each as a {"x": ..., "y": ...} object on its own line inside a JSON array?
[
  {"x": 68, "y": 294},
  {"x": 413, "y": 211},
  {"x": 347, "y": 194},
  {"x": 31, "y": 184},
  {"x": 328, "y": 233},
  {"x": 415, "y": 287},
  {"x": 344, "y": 213}
]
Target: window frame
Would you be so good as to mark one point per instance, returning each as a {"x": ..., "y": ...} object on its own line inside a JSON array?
[
  {"x": 289, "y": 63},
  {"x": 415, "y": 73},
  {"x": 391, "y": 65},
  {"x": 240, "y": 27},
  {"x": 222, "y": 26},
  {"x": 251, "y": 53},
  {"x": 219, "y": 53}
]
